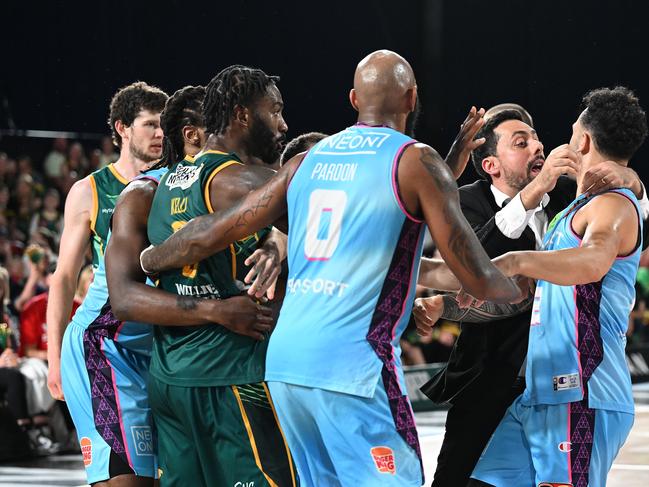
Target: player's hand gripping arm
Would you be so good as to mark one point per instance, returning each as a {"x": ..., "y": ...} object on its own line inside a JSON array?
[
  {"x": 610, "y": 225},
  {"x": 74, "y": 242},
  {"x": 266, "y": 264},
  {"x": 132, "y": 299},
  {"x": 428, "y": 187},
  {"x": 207, "y": 234}
]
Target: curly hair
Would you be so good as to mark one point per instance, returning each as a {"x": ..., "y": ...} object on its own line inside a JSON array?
[
  {"x": 491, "y": 138},
  {"x": 129, "y": 101},
  {"x": 300, "y": 144},
  {"x": 234, "y": 85},
  {"x": 615, "y": 120},
  {"x": 182, "y": 108}
]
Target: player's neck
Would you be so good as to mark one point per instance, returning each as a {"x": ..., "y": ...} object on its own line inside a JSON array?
[
  {"x": 591, "y": 159},
  {"x": 227, "y": 142},
  {"x": 130, "y": 166},
  {"x": 374, "y": 118}
]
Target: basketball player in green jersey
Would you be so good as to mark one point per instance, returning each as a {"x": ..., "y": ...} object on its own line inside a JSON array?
[
  {"x": 135, "y": 124},
  {"x": 206, "y": 385}
]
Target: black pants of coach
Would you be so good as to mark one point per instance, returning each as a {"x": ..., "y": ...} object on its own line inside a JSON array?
[{"x": 468, "y": 429}]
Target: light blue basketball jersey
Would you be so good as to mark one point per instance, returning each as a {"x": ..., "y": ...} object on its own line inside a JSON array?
[
  {"x": 578, "y": 333},
  {"x": 95, "y": 309},
  {"x": 353, "y": 262}
]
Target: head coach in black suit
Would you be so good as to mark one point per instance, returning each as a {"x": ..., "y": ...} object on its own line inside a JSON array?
[{"x": 509, "y": 208}]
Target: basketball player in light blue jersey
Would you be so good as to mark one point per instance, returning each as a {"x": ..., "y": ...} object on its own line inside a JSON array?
[
  {"x": 357, "y": 205},
  {"x": 577, "y": 409}
]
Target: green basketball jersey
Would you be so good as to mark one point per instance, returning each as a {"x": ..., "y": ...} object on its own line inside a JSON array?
[
  {"x": 208, "y": 355},
  {"x": 106, "y": 184}
]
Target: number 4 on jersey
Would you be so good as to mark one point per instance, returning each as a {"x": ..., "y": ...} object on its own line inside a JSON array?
[{"x": 324, "y": 221}]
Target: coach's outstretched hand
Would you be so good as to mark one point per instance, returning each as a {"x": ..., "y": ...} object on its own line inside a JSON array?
[{"x": 243, "y": 315}]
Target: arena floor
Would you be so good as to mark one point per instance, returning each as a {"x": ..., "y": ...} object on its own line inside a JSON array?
[{"x": 631, "y": 468}]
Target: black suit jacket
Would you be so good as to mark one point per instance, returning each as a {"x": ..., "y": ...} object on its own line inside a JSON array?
[{"x": 487, "y": 357}]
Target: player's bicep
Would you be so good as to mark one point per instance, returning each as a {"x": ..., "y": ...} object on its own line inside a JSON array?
[{"x": 440, "y": 205}]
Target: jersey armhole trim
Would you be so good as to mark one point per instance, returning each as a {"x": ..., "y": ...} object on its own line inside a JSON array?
[
  {"x": 395, "y": 183},
  {"x": 206, "y": 189},
  {"x": 95, "y": 203}
]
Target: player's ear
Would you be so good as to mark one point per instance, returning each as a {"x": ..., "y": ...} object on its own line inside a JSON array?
[
  {"x": 192, "y": 135},
  {"x": 353, "y": 99},
  {"x": 411, "y": 96},
  {"x": 241, "y": 115},
  {"x": 121, "y": 129},
  {"x": 584, "y": 145}
]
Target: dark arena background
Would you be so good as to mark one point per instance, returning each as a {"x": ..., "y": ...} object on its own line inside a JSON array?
[{"x": 61, "y": 63}]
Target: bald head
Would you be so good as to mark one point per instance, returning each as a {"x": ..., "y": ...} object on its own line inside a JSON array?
[{"x": 382, "y": 82}]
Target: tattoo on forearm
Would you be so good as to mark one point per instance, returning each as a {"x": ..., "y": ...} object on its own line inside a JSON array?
[
  {"x": 250, "y": 212},
  {"x": 186, "y": 303},
  {"x": 458, "y": 243},
  {"x": 486, "y": 312}
]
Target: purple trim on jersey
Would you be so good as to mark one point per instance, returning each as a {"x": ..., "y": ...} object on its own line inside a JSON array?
[
  {"x": 395, "y": 182},
  {"x": 148, "y": 178},
  {"x": 590, "y": 350},
  {"x": 105, "y": 404},
  {"x": 582, "y": 429},
  {"x": 389, "y": 310},
  {"x": 589, "y": 339}
]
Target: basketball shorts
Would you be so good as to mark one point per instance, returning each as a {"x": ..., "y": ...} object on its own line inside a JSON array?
[
  {"x": 219, "y": 436},
  {"x": 553, "y": 445},
  {"x": 104, "y": 385},
  {"x": 340, "y": 439}
]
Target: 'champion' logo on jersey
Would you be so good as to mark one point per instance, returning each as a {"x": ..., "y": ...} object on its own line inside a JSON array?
[
  {"x": 184, "y": 176},
  {"x": 565, "y": 446}
]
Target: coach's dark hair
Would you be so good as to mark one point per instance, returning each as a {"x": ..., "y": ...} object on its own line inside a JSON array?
[
  {"x": 129, "y": 101},
  {"x": 299, "y": 144},
  {"x": 183, "y": 108},
  {"x": 235, "y": 85},
  {"x": 491, "y": 139},
  {"x": 615, "y": 120}
]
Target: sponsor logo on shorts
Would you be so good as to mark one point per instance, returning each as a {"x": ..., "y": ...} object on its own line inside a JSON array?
[
  {"x": 86, "y": 450},
  {"x": 554, "y": 484},
  {"x": 245, "y": 484},
  {"x": 565, "y": 382},
  {"x": 565, "y": 446},
  {"x": 384, "y": 459},
  {"x": 143, "y": 440}
]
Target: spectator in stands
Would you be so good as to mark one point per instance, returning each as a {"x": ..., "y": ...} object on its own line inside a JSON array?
[
  {"x": 22, "y": 205},
  {"x": 33, "y": 325},
  {"x": 94, "y": 161},
  {"x": 108, "y": 154},
  {"x": 49, "y": 216},
  {"x": 38, "y": 276},
  {"x": 55, "y": 159}
]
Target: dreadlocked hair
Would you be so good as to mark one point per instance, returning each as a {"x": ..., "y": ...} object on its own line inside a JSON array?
[
  {"x": 182, "y": 108},
  {"x": 235, "y": 85}
]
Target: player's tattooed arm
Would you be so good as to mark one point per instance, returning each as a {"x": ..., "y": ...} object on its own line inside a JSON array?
[
  {"x": 486, "y": 312},
  {"x": 208, "y": 234},
  {"x": 422, "y": 172}
]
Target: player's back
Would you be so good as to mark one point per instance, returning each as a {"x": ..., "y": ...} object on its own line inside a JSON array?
[{"x": 353, "y": 261}]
